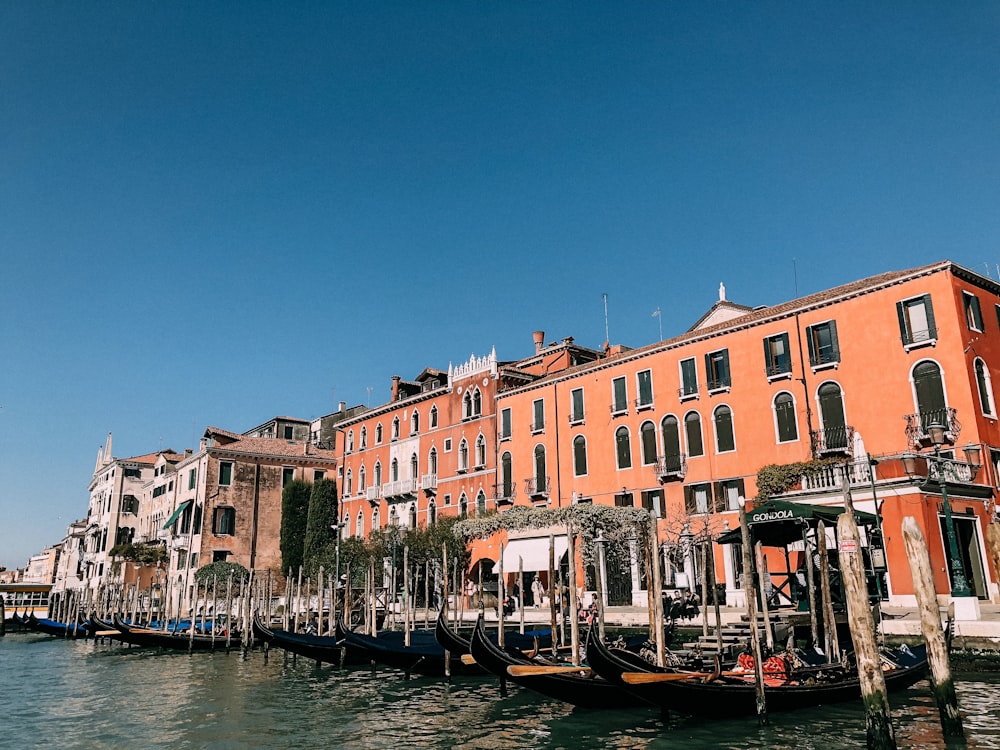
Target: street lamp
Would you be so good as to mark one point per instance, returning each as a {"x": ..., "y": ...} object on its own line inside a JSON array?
[{"x": 959, "y": 584}]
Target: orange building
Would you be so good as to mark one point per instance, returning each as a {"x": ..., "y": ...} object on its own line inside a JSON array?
[{"x": 862, "y": 370}]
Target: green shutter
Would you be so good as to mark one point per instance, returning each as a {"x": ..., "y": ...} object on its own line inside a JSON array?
[
  {"x": 929, "y": 311},
  {"x": 811, "y": 340},
  {"x": 904, "y": 328},
  {"x": 689, "y": 502}
]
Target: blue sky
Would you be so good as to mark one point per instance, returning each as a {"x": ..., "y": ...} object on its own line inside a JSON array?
[{"x": 214, "y": 213}]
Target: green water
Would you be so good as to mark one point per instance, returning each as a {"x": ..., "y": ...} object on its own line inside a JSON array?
[{"x": 66, "y": 694}]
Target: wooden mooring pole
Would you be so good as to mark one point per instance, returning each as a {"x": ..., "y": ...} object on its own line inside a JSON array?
[
  {"x": 750, "y": 591},
  {"x": 878, "y": 721},
  {"x": 942, "y": 684}
]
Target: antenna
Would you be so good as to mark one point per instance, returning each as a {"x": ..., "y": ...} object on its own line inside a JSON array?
[
  {"x": 369, "y": 397},
  {"x": 795, "y": 276},
  {"x": 607, "y": 336},
  {"x": 658, "y": 313}
]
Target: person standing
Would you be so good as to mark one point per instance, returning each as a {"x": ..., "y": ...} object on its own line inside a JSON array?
[{"x": 537, "y": 592}]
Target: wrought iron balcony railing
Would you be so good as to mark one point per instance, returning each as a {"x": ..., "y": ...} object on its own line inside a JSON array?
[
  {"x": 537, "y": 487},
  {"x": 504, "y": 493},
  {"x": 917, "y": 425},
  {"x": 833, "y": 440},
  {"x": 670, "y": 467}
]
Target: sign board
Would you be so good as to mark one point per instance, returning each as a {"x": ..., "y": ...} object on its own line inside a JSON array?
[{"x": 847, "y": 545}]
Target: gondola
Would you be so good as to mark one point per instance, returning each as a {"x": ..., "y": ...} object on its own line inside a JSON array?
[
  {"x": 54, "y": 627},
  {"x": 731, "y": 696},
  {"x": 580, "y": 688},
  {"x": 174, "y": 641},
  {"x": 324, "y": 649},
  {"x": 456, "y": 643},
  {"x": 424, "y": 655},
  {"x": 611, "y": 662}
]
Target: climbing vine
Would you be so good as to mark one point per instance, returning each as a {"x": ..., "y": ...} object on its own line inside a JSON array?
[{"x": 777, "y": 479}]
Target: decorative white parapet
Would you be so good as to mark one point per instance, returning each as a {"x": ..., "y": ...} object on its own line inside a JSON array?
[{"x": 474, "y": 366}]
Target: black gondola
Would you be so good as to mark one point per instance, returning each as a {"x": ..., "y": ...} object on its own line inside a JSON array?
[
  {"x": 729, "y": 696},
  {"x": 322, "y": 648},
  {"x": 456, "y": 643},
  {"x": 423, "y": 656},
  {"x": 582, "y": 688},
  {"x": 174, "y": 641},
  {"x": 53, "y": 627},
  {"x": 611, "y": 662}
]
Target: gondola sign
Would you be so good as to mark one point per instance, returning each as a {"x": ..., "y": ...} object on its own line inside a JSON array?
[{"x": 847, "y": 545}]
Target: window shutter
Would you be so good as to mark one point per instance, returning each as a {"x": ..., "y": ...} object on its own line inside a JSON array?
[
  {"x": 904, "y": 329},
  {"x": 741, "y": 491},
  {"x": 833, "y": 338},
  {"x": 769, "y": 367},
  {"x": 720, "y": 497},
  {"x": 709, "y": 372},
  {"x": 929, "y": 312},
  {"x": 812, "y": 345},
  {"x": 689, "y": 503}
]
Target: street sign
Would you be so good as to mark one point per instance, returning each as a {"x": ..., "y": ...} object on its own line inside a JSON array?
[{"x": 847, "y": 545}]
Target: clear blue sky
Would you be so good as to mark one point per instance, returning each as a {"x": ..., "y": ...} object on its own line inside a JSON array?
[{"x": 214, "y": 213}]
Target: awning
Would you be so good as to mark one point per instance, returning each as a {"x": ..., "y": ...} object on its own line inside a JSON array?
[
  {"x": 176, "y": 514},
  {"x": 776, "y": 523},
  {"x": 532, "y": 554}
]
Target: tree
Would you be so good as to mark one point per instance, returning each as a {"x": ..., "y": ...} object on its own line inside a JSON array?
[
  {"x": 322, "y": 514},
  {"x": 219, "y": 572},
  {"x": 294, "y": 518}
]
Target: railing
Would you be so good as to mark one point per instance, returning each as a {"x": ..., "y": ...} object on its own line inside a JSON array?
[
  {"x": 833, "y": 440},
  {"x": 429, "y": 482},
  {"x": 951, "y": 471},
  {"x": 641, "y": 404},
  {"x": 373, "y": 494},
  {"x": 538, "y": 427},
  {"x": 504, "y": 493},
  {"x": 401, "y": 488},
  {"x": 687, "y": 391},
  {"x": 774, "y": 369},
  {"x": 670, "y": 467},
  {"x": 832, "y": 477},
  {"x": 917, "y": 424},
  {"x": 537, "y": 487}
]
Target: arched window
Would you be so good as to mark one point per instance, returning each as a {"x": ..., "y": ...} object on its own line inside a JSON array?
[
  {"x": 725, "y": 440},
  {"x": 480, "y": 452},
  {"x": 432, "y": 512},
  {"x": 413, "y": 515},
  {"x": 414, "y": 422},
  {"x": 378, "y": 434},
  {"x": 985, "y": 388},
  {"x": 346, "y": 531},
  {"x": 928, "y": 387},
  {"x": 350, "y": 441},
  {"x": 467, "y": 405},
  {"x": 480, "y": 503},
  {"x": 362, "y": 479},
  {"x": 349, "y": 484},
  {"x": 831, "y": 410},
  {"x": 463, "y": 506},
  {"x": 364, "y": 438},
  {"x": 647, "y": 436},
  {"x": 395, "y": 428},
  {"x": 434, "y": 416},
  {"x": 361, "y": 525},
  {"x": 376, "y": 520},
  {"x": 477, "y": 403},
  {"x": 432, "y": 462},
  {"x": 393, "y": 517},
  {"x": 785, "y": 420},
  {"x": 692, "y": 431},
  {"x": 377, "y": 481},
  {"x": 671, "y": 443},
  {"x": 506, "y": 477},
  {"x": 541, "y": 484},
  {"x": 414, "y": 468},
  {"x": 394, "y": 471},
  {"x": 463, "y": 455},
  {"x": 623, "y": 448},
  {"x": 579, "y": 456}
]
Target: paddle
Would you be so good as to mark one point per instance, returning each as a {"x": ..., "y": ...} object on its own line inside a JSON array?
[
  {"x": 642, "y": 678},
  {"x": 520, "y": 670},
  {"x": 468, "y": 660}
]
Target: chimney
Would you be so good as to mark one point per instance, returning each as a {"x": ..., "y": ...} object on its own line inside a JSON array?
[
  {"x": 342, "y": 406},
  {"x": 305, "y": 447},
  {"x": 539, "y": 337},
  {"x": 395, "y": 387},
  {"x": 188, "y": 451}
]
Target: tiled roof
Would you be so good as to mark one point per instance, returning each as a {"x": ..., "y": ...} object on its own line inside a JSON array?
[{"x": 276, "y": 447}]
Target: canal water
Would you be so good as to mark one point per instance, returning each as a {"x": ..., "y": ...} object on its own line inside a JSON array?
[{"x": 80, "y": 694}]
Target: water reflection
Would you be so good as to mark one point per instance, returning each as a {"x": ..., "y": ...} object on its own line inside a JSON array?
[{"x": 81, "y": 694}]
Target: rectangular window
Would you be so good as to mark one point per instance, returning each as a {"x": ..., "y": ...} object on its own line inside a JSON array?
[
  {"x": 224, "y": 521},
  {"x": 727, "y": 495},
  {"x": 538, "y": 415},
  {"x": 287, "y": 475},
  {"x": 192, "y": 478},
  {"x": 644, "y": 384},
  {"x": 318, "y": 474},
  {"x": 220, "y": 555},
  {"x": 624, "y": 500},
  {"x": 576, "y": 405},
  {"x": 697, "y": 498},
  {"x": 973, "y": 315},
  {"x": 916, "y": 320},
  {"x": 225, "y": 473},
  {"x": 447, "y": 445},
  {"x": 777, "y": 356},
  {"x": 653, "y": 500},
  {"x": 824, "y": 349},
  {"x": 447, "y": 499},
  {"x": 717, "y": 370},
  {"x": 288, "y": 432},
  {"x": 689, "y": 377},
  {"x": 505, "y": 424},
  {"x": 619, "y": 393}
]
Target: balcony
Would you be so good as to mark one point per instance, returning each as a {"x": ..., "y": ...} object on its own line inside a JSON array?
[
  {"x": 504, "y": 493},
  {"x": 917, "y": 424},
  {"x": 537, "y": 488},
  {"x": 832, "y": 477},
  {"x": 373, "y": 494},
  {"x": 641, "y": 404},
  {"x": 833, "y": 441},
  {"x": 429, "y": 483},
  {"x": 401, "y": 489},
  {"x": 670, "y": 468}
]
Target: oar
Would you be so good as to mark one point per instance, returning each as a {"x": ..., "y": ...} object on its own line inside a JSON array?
[
  {"x": 468, "y": 659},
  {"x": 643, "y": 678},
  {"x": 519, "y": 670}
]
